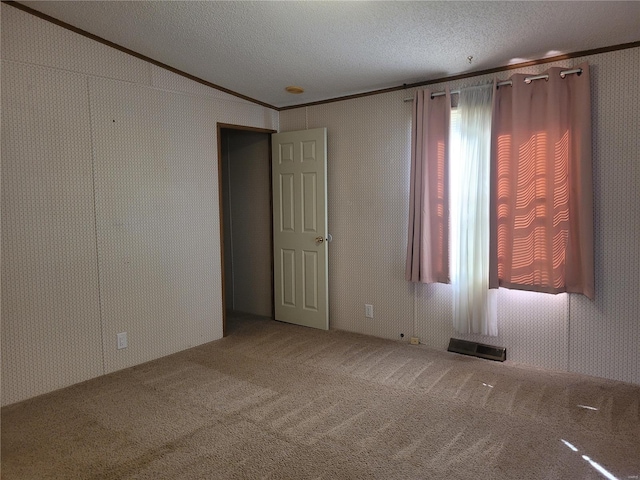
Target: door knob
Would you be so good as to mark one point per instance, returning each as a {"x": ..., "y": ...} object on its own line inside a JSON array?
[{"x": 319, "y": 239}]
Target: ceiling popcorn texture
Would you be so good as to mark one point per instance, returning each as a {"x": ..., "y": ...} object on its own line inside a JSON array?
[{"x": 333, "y": 49}]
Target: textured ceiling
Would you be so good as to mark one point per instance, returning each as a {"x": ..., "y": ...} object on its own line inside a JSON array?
[{"x": 341, "y": 48}]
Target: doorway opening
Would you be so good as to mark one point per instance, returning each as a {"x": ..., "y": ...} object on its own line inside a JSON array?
[{"x": 246, "y": 227}]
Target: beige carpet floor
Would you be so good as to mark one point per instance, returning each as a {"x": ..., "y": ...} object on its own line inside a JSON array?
[{"x": 277, "y": 401}]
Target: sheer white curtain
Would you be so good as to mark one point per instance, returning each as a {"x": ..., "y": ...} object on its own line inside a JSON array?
[{"x": 474, "y": 305}]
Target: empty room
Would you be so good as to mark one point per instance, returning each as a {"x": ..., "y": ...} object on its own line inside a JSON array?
[{"x": 313, "y": 240}]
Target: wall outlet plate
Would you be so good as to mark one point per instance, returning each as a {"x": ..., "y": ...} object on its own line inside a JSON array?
[
  {"x": 368, "y": 310},
  {"x": 415, "y": 341},
  {"x": 122, "y": 340}
]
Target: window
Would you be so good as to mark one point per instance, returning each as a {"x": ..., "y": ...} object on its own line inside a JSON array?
[{"x": 536, "y": 186}]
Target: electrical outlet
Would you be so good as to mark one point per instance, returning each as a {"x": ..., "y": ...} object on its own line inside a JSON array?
[
  {"x": 415, "y": 341},
  {"x": 368, "y": 311},
  {"x": 122, "y": 340}
]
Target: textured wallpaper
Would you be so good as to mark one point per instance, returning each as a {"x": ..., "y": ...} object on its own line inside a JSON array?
[
  {"x": 157, "y": 217},
  {"x": 109, "y": 207},
  {"x": 368, "y": 168},
  {"x": 50, "y": 301}
]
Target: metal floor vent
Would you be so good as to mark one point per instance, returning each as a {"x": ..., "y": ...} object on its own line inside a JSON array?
[{"x": 477, "y": 349}]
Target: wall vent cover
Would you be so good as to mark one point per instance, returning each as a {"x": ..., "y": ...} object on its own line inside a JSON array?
[{"x": 475, "y": 349}]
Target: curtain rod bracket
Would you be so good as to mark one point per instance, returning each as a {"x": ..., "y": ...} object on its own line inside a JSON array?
[
  {"x": 528, "y": 80},
  {"x": 577, "y": 71}
]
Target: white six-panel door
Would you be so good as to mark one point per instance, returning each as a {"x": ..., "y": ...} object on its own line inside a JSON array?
[{"x": 300, "y": 227}]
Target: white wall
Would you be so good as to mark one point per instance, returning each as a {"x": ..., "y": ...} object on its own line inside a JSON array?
[
  {"x": 110, "y": 215},
  {"x": 368, "y": 183}
]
